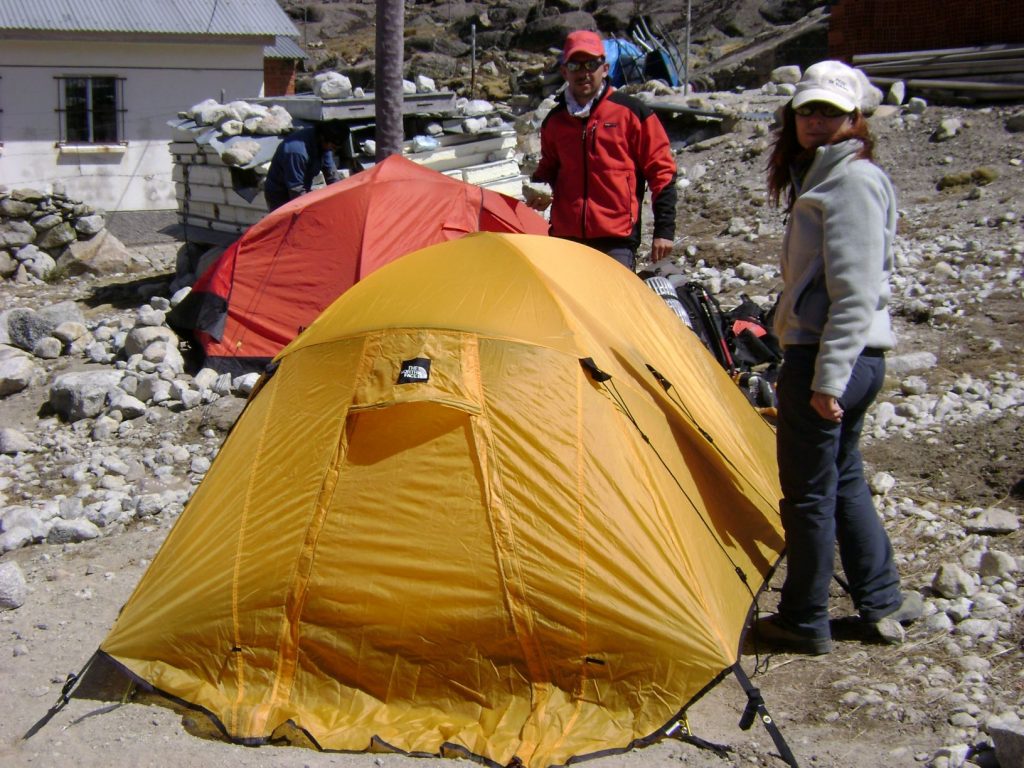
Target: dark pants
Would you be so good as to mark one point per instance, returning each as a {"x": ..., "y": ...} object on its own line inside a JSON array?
[
  {"x": 276, "y": 198},
  {"x": 625, "y": 257},
  {"x": 826, "y": 498},
  {"x": 619, "y": 248}
]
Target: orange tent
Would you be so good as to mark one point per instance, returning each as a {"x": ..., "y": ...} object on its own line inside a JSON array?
[{"x": 285, "y": 270}]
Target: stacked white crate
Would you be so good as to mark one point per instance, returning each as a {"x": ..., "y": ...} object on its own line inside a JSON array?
[
  {"x": 212, "y": 211},
  {"x": 207, "y": 201}
]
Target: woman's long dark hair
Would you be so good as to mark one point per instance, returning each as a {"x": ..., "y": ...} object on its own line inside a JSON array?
[{"x": 788, "y": 154}]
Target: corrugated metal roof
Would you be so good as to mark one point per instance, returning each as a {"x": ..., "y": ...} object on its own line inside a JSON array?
[
  {"x": 284, "y": 48},
  {"x": 187, "y": 17}
]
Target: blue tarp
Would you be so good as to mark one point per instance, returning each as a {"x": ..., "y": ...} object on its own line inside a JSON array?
[
  {"x": 625, "y": 60},
  {"x": 628, "y": 63}
]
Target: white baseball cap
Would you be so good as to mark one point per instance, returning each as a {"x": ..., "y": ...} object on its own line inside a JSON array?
[{"x": 832, "y": 82}]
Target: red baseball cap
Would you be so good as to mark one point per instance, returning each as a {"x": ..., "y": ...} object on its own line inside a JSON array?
[{"x": 582, "y": 41}]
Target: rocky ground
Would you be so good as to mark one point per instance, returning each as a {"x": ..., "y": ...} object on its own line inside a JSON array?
[{"x": 88, "y": 491}]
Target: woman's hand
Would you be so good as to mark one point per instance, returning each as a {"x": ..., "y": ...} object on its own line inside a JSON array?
[{"x": 827, "y": 407}]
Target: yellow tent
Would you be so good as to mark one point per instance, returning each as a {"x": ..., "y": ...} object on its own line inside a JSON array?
[{"x": 496, "y": 501}]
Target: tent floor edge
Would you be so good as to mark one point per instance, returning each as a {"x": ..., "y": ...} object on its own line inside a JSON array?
[
  {"x": 757, "y": 708},
  {"x": 680, "y": 731}
]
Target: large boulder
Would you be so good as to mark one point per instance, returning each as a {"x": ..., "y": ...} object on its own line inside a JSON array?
[
  {"x": 82, "y": 394},
  {"x": 103, "y": 254},
  {"x": 27, "y": 327}
]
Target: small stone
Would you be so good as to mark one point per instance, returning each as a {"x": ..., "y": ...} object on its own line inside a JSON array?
[
  {"x": 993, "y": 520},
  {"x": 890, "y": 631},
  {"x": 992, "y": 563}
]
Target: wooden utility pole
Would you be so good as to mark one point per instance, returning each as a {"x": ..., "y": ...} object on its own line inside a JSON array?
[{"x": 388, "y": 96}]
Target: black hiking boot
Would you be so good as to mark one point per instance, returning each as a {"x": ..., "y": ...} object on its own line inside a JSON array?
[{"x": 773, "y": 633}]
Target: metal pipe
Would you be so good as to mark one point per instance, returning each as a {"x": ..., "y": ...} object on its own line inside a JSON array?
[
  {"x": 686, "y": 53},
  {"x": 472, "y": 61}
]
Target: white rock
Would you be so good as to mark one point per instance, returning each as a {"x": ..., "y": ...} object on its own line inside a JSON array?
[
  {"x": 914, "y": 385},
  {"x": 881, "y": 483},
  {"x": 988, "y": 606},
  {"x": 72, "y": 531},
  {"x": 996, "y": 563},
  {"x": 222, "y": 386},
  {"x": 105, "y": 513},
  {"x": 948, "y": 129},
  {"x": 36, "y": 521},
  {"x": 82, "y": 394},
  {"x": 993, "y": 520},
  {"x": 938, "y": 622},
  {"x": 244, "y": 384},
  {"x": 129, "y": 407},
  {"x": 980, "y": 628},
  {"x": 15, "y": 538},
  {"x": 332, "y": 85},
  {"x": 13, "y": 441},
  {"x": 205, "y": 378},
  {"x": 17, "y": 370},
  {"x": 13, "y": 587},
  {"x": 953, "y": 581},
  {"x": 141, "y": 337},
  {"x": 477, "y": 107},
  {"x": 897, "y": 93},
  {"x": 900, "y": 365},
  {"x": 786, "y": 74},
  {"x": 104, "y": 427}
]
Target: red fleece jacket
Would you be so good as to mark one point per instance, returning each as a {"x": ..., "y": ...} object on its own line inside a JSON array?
[{"x": 599, "y": 167}]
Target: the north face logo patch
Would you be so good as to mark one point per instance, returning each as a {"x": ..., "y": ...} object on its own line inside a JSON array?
[{"x": 415, "y": 371}]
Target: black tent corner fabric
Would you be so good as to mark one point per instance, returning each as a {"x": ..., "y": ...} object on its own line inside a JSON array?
[{"x": 199, "y": 311}]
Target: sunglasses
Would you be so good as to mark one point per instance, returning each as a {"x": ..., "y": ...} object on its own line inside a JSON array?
[
  {"x": 821, "y": 108},
  {"x": 591, "y": 65}
]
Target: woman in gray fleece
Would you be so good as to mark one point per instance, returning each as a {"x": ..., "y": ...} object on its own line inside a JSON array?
[{"x": 833, "y": 324}]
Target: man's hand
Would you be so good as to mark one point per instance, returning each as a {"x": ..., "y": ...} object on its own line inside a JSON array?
[
  {"x": 661, "y": 248},
  {"x": 539, "y": 203},
  {"x": 827, "y": 407}
]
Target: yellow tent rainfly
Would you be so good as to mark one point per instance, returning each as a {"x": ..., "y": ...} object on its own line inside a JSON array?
[{"x": 496, "y": 501}]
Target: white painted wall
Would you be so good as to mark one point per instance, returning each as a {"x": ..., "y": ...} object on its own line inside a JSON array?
[{"x": 161, "y": 79}]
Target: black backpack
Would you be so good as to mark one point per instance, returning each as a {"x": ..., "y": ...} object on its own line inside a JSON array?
[
  {"x": 740, "y": 339},
  {"x": 753, "y": 344},
  {"x": 708, "y": 322}
]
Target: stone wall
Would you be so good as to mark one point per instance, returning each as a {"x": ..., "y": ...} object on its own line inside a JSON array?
[{"x": 38, "y": 230}]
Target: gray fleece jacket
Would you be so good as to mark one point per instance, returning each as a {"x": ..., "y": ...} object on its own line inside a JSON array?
[{"x": 836, "y": 262}]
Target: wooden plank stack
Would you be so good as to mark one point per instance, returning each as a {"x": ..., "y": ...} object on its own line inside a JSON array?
[{"x": 990, "y": 72}]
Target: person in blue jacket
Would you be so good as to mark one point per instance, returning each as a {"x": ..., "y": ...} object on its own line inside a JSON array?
[
  {"x": 833, "y": 323},
  {"x": 299, "y": 158}
]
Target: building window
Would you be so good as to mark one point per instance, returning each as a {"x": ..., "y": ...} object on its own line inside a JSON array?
[{"x": 91, "y": 110}]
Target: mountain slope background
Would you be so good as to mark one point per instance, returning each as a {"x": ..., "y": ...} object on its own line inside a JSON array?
[{"x": 522, "y": 36}]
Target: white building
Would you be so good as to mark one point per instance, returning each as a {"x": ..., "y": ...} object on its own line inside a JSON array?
[{"x": 87, "y": 88}]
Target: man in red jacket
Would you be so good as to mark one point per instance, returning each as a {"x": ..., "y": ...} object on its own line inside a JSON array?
[{"x": 600, "y": 150}]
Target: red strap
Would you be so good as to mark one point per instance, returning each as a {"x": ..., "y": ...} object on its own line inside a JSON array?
[{"x": 738, "y": 326}]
